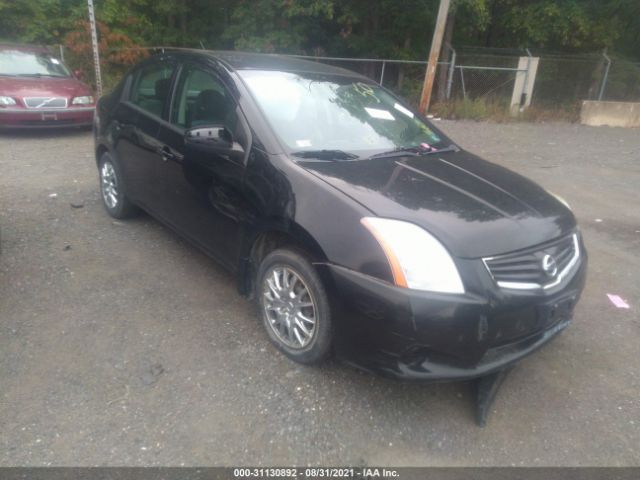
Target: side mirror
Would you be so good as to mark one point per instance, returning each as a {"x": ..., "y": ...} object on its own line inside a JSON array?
[
  {"x": 214, "y": 136},
  {"x": 79, "y": 74},
  {"x": 214, "y": 139}
]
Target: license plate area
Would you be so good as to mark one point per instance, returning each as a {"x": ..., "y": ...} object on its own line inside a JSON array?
[
  {"x": 552, "y": 313},
  {"x": 48, "y": 117}
]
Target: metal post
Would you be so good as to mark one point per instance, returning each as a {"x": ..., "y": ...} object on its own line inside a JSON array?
[
  {"x": 452, "y": 67},
  {"x": 464, "y": 89},
  {"x": 523, "y": 95},
  {"x": 606, "y": 75},
  {"x": 96, "y": 54},
  {"x": 436, "y": 43},
  {"x": 61, "y": 47},
  {"x": 382, "y": 72}
]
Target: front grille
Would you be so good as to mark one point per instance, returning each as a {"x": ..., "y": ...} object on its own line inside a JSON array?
[
  {"x": 45, "y": 102},
  {"x": 543, "y": 266}
]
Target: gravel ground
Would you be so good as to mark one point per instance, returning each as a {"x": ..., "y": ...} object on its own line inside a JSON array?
[{"x": 121, "y": 344}]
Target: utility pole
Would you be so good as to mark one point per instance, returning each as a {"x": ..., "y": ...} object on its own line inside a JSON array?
[
  {"x": 434, "y": 54},
  {"x": 96, "y": 54}
]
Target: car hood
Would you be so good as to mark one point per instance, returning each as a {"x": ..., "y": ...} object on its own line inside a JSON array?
[
  {"x": 20, "y": 87},
  {"x": 474, "y": 207}
]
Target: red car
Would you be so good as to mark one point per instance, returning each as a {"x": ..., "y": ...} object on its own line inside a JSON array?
[{"x": 38, "y": 90}]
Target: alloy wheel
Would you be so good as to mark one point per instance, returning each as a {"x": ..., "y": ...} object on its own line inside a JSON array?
[
  {"x": 289, "y": 307},
  {"x": 109, "y": 185}
]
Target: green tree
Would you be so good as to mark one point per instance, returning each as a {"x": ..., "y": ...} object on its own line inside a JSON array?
[
  {"x": 276, "y": 25},
  {"x": 567, "y": 25},
  {"x": 38, "y": 21},
  {"x": 381, "y": 28}
]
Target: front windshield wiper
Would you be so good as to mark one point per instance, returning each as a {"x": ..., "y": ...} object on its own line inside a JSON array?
[
  {"x": 416, "y": 151},
  {"x": 326, "y": 154}
]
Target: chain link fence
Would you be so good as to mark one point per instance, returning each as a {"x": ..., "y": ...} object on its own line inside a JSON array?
[
  {"x": 623, "y": 82},
  {"x": 480, "y": 82},
  {"x": 470, "y": 82}
]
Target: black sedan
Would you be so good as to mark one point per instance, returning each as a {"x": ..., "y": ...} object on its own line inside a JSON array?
[{"x": 358, "y": 227}]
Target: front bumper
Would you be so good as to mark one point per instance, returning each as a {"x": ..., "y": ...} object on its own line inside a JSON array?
[
  {"x": 426, "y": 336},
  {"x": 51, "y": 117}
]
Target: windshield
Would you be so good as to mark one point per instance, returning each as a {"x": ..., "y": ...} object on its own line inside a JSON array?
[
  {"x": 330, "y": 112},
  {"x": 15, "y": 62}
]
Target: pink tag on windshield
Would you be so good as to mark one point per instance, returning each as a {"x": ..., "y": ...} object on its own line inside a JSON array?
[{"x": 426, "y": 146}]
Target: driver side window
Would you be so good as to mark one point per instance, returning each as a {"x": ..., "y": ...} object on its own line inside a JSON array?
[{"x": 201, "y": 100}]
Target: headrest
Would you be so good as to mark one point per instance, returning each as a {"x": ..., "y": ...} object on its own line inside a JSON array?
[
  {"x": 210, "y": 105},
  {"x": 162, "y": 88}
]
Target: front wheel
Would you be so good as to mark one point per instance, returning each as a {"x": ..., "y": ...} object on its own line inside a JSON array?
[{"x": 294, "y": 306}]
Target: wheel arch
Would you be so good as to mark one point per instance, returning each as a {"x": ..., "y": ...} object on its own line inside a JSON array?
[
  {"x": 259, "y": 243},
  {"x": 101, "y": 149}
]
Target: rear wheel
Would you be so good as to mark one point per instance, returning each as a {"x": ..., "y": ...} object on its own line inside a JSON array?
[
  {"x": 112, "y": 189},
  {"x": 294, "y": 306}
]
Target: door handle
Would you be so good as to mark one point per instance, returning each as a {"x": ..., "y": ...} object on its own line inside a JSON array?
[{"x": 167, "y": 154}]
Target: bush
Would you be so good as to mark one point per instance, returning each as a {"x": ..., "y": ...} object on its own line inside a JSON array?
[{"x": 117, "y": 53}]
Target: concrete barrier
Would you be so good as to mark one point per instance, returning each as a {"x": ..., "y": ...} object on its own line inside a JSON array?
[{"x": 613, "y": 114}]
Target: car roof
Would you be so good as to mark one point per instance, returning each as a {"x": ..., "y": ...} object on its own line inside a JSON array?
[{"x": 235, "y": 60}]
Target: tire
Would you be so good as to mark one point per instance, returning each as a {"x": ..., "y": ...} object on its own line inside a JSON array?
[
  {"x": 286, "y": 311},
  {"x": 112, "y": 191}
]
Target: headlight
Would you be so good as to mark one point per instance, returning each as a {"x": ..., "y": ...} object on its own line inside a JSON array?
[
  {"x": 416, "y": 258},
  {"x": 6, "y": 101},
  {"x": 82, "y": 100}
]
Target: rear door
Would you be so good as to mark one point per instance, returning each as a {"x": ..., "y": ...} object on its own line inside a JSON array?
[
  {"x": 202, "y": 190},
  {"x": 139, "y": 119}
]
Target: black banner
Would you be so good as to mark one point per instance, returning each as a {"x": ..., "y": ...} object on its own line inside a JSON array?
[{"x": 360, "y": 473}]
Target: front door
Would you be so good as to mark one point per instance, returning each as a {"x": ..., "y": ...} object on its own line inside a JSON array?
[
  {"x": 202, "y": 195},
  {"x": 139, "y": 125}
]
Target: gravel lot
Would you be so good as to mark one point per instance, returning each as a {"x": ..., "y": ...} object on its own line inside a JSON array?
[{"x": 121, "y": 344}]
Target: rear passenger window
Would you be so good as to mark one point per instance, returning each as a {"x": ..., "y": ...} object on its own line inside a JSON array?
[{"x": 151, "y": 88}]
